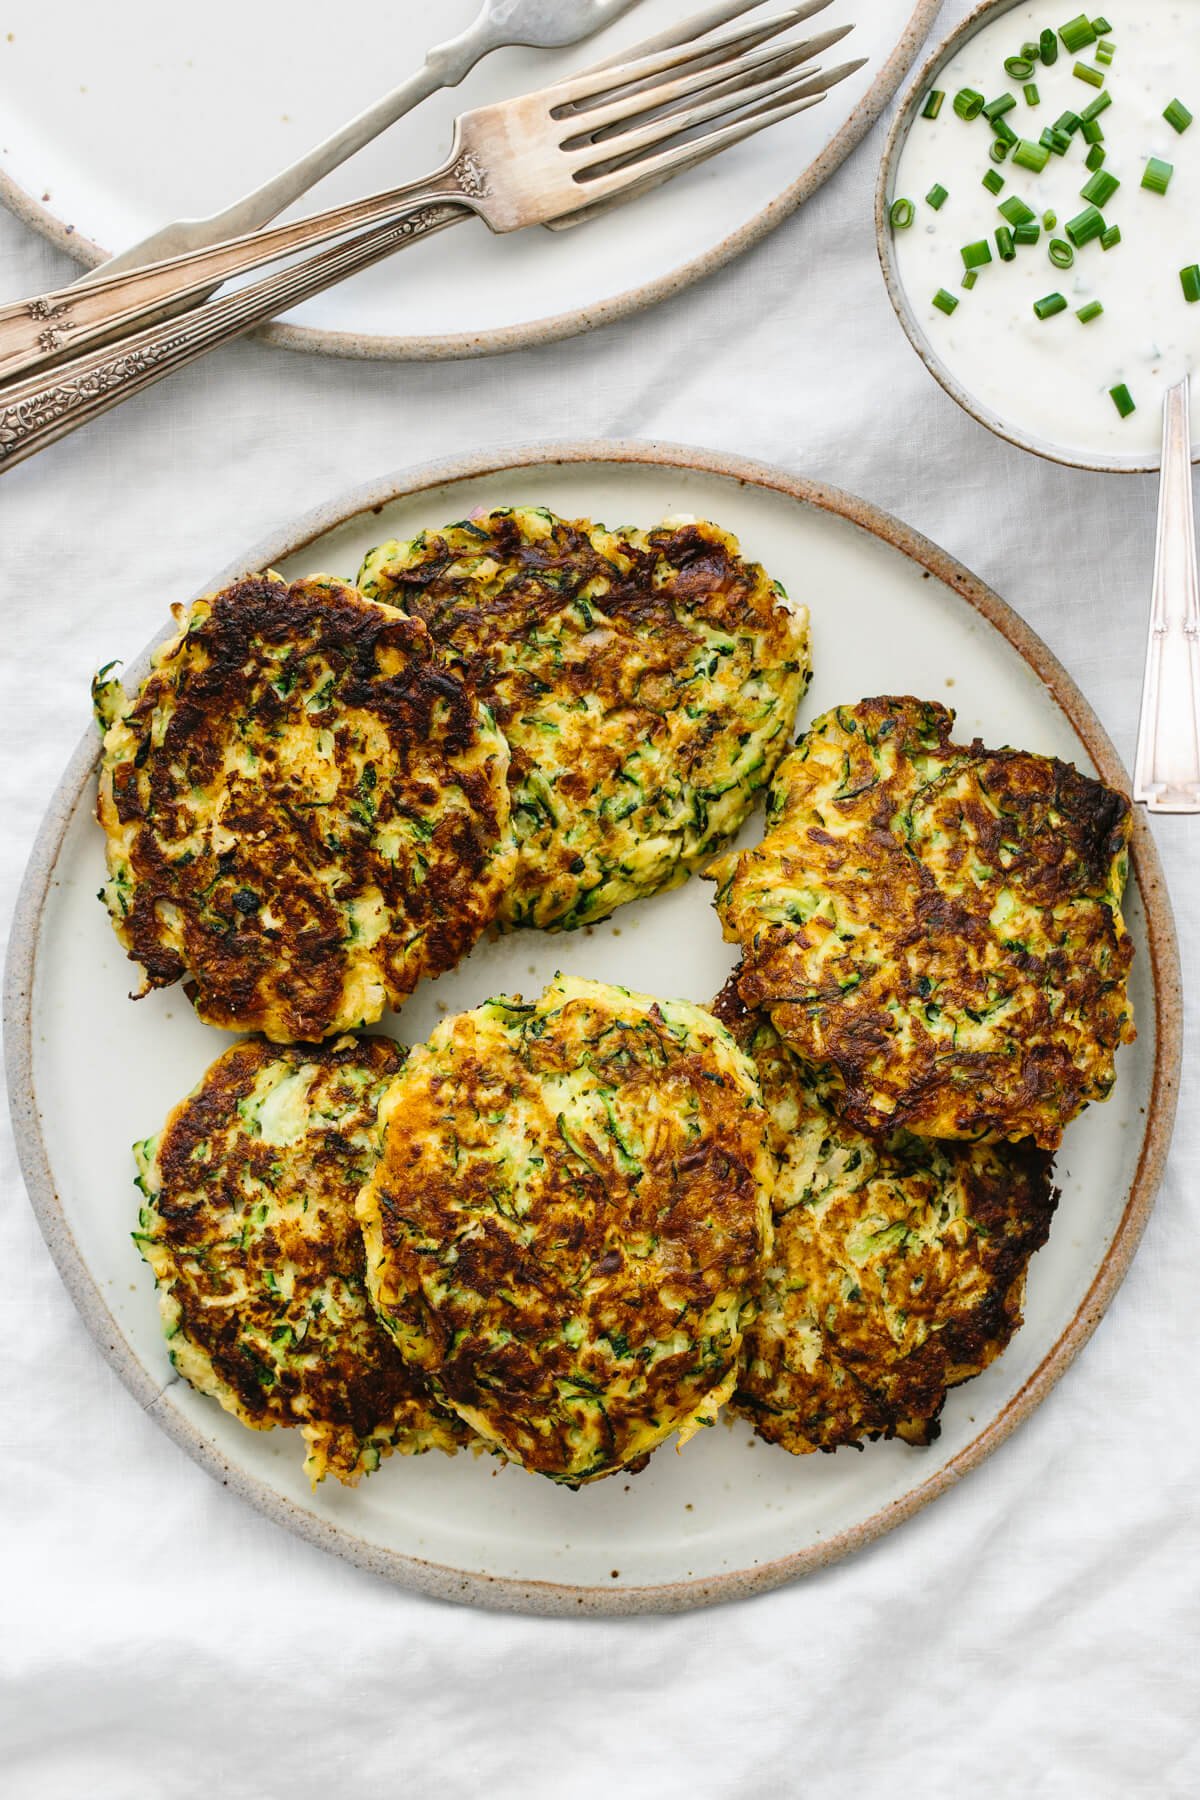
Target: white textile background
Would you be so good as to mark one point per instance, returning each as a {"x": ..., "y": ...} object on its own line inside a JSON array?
[{"x": 1037, "y": 1631}]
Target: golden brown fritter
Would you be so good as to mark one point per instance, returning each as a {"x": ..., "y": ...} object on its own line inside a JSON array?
[
  {"x": 898, "y": 1269},
  {"x": 647, "y": 683},
  {"x": 305, "y": 812},
  {"x": 936, "y": 927},
  {"x": 569, "y": 1216},
  {"x": 249, "y": 1227}
]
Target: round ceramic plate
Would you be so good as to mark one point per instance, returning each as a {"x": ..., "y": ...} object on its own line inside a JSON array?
[
  {"x": 228, "y": 93},
  {"x": 728, "y": 1516}
]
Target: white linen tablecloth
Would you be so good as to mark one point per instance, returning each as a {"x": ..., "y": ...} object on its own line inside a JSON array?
[{"x": 1036, "y": 1632}]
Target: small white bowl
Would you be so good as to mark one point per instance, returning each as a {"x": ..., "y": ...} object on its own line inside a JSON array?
[{"x": 1140, "y": 462}]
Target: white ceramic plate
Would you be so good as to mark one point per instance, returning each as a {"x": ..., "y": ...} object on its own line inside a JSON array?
[
  {"x": 729, "y": 1515},
  {"x": 114, "y": 119}
]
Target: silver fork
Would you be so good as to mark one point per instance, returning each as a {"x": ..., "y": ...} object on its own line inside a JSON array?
[
  {"x": 533, "y": 24},
  {"x": 582, "y": 143},
  {"x": 501, "y": 24}
]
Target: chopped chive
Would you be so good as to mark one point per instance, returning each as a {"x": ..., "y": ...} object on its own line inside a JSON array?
[
  {"x": 1105, "y": 51},
  {"x": 1157, "y": 175},
  {"x": 1016, "y": 211},
  {"x": 902, "y": 214},
  {"x": 1095, "y": 157},
  {"x": 970, "y": 278},
  {"x": 1032, "y": 97},
  {"x": 1019, "y": 67},
  {"x": 1031, "y": 51},
  {"x": 995, "y": 109},
  {"x": 1091, "y": 132},
  {"x": 993, "y": 181},
  {"x": 1085, "y": 72},
  {"x": 1030, "y": 156},
  {"x": 1110, "y": 237},
  {"x": 1095, "y": 107},
  {"x": 1055, "y": 140},
  {"x": 998, "y": 150},
  {"x": 1004, "y": 131},
  {"x": 1100, "y": 25},
  {"x": 1091, "y": 311},
  {"x": 968, "y": 103},
  {"x": 1027, "y": 234},
  {"x": 1048, "y": 47},
  {"x": 1177, "y": 115},
  {"x": 1100, "y": 189},
  {"x": 1077, "y": 34},
  {"x": 1050, "y": 219},
  {"x": 1085, "y": 226},
  {"x": 936, "y": 197},
  {"x": 1122, "y": 399},
  {"x": 1004, "y": 243},
  {"x": 1068, "y": 122},
  {"x": 1061, "y": 253},
  {"x": 975, "y": 255},
  {"x": 1051, "y": 304},
  {"x": 1189, "y": 280},
  {"x": 933, "y": 103},
  {"x": 945, "y": 302}
]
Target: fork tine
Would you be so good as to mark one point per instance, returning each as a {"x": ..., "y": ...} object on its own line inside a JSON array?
[
  {"x": 702, "y": 56},
  {"x": 701, "y": 153},
  {"x": 698, "y": 26},
  {"x": 700, "y": 83},
  {"x": 747, "y": 73},
  {"x": 599, "y": 85},
  {"x": 624, "y": 148},
  {"x": 814, "y": 81},
  {"x": 669, "y": 162}
]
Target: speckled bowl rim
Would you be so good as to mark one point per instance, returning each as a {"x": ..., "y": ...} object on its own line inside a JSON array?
[
  {"x": 558, "y": 325},
  {"x": 504, "y": 1593},
  {"x": 897, "y": 294}
]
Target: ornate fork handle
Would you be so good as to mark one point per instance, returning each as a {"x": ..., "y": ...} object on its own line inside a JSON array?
[
  {"x": 41, "y": 409},
  {"x": 81, "y": 316}
]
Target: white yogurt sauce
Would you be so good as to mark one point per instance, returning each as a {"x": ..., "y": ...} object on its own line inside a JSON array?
[{"x": 1050, "y": 379}]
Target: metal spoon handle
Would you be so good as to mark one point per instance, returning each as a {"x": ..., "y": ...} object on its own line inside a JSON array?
[
  {"x": 1167, "y": 767},
  {"x": 72, "y": 320},
  {"x": 445, "y": 66}
]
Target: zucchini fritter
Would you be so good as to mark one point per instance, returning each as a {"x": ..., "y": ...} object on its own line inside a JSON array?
[
  {"x": 249, "y": 1227},
  {"x": 568, "y": 1219},
  {"x": 305, "y": 811},
  {"x": 935, "y": 928},
  {"x": 647, "y": 683},
  {"x": 898, "y": 1269}
]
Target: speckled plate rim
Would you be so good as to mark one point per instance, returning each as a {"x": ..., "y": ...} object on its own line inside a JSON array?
[
  {"x": 559, "y": 325},
  {"x": 924, "y": 79},
  {"x": 553, "y": 1598}
]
